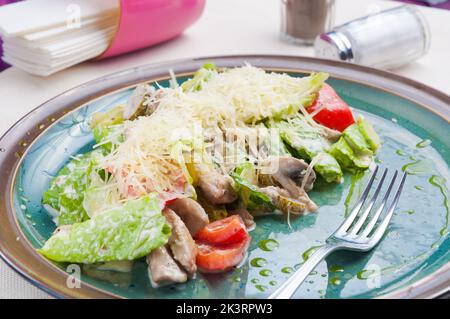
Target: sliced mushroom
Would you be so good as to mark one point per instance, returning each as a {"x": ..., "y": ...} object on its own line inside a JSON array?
[
  {"x": 163, "y": 269},
  {"x": 143, "y": 101},
  {"x": 216, "y": 188},
  {"x": 191, "y": 213},
  {"x": 282, "y": 200},
  {"x": 287, "y": 172},
  {"x": 181, "y": 244}
]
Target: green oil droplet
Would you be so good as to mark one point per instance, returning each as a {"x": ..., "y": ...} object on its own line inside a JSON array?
[
  {"x": 254, "y": 281},
  {"x": 273, "y": 283},
  {"x": 365, "y": 274},
  {"x": 265, "y": 272},
  {"x": 400, "y": 152},
  {"x": 309, "y": 252},
  {"x": 416, "y": 167},
  {"x": 258, "y": 262},
  {"x": 423, "y": 143},
  {"x": 287, "y": 270},
  {"x": 355, "y": 189},
  {"x": 236, "y": 279},
  {"x": 335, "y": 281},
  {"x": 440, "y": 182},
  {"x": 336, "y": 268},
  {"x": 418, "y": 187},
  {"x": 409, "y": 211},
  {"x": 268, "y": 244},
  {"x": 323, "y": 275},
  {"x": 261, "y": 287}
]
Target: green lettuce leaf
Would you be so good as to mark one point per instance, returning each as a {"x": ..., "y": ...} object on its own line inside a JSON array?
[
  {"x": 369, "y": 133},
  {"x": 356, "y": 140},
  {"x": 304, "y": 139},
  {"x": 66, "y": 190},
  {"x": 327, "y": 166},
  {"x": 107, "y": 128},
  {"x": 124, "y": 233},
  {"x": 200, "y": 77},
  {"x": 245, "y": 180},
  {"x": 108, "y": 137},
  {"x": 347, "y": 158}
]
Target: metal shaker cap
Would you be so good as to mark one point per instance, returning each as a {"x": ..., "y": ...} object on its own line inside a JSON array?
[{"x": 333, "y": 45}]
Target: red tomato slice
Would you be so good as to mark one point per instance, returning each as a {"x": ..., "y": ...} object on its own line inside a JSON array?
[
  {"x": 334, "y": 112},
  {"x": 218, "y": 258},
  {"x": 225, "y": 231}
]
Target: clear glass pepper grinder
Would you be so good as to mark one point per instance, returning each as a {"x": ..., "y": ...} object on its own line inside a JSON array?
[
  {"x": 303, "y": 20},
  {"x": 387, "y": 39}
]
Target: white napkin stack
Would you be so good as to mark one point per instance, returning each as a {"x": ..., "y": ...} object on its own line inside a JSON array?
[{"x": 46, "y": 36}]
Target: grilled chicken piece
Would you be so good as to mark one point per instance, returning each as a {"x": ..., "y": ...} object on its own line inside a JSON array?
[
  {"x": 216, "y": 188},
  {"x": 163, "y": 269},
  {"x": 247, "y": 218},
  {"x": 287, "y": 172},
  {"x": 183, "y": 247},
  {"x": 282, "y": 200},
  {"x": 191, "y": 213}
]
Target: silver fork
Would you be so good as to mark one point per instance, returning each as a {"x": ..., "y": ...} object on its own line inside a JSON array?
[{"x": 351, "y": 235}]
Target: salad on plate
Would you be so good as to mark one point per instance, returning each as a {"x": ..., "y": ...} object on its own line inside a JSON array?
[{"x": 179, "y": 175}]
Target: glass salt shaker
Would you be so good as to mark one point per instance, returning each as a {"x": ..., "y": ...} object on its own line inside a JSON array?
[
  {"x": 303, "y": 20},
  {"x": 387, "y": 39}
]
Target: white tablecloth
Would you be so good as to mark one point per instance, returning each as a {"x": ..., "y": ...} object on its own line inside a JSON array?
[{"x": 226, "y": 27}]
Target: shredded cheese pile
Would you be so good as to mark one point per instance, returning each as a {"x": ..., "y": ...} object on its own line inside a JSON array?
[{"x": 236, "y": 98}]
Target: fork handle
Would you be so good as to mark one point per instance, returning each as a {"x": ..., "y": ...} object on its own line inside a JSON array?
[{"x": 287, "y": 289}]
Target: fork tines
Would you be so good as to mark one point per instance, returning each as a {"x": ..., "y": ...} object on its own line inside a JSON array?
[{"x": 360, "y": 225}]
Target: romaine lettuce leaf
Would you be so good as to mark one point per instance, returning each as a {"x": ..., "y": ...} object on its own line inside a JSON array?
[
  {"x": 356, "y": 140},
  {"x": 347, "y": 158},
  {"x": 111, "y": 117},
  {"x": 107, "y": 129},
  {"x": 306, "y": 140},
  {"x": 124, "y": 233},
  {"x": 245, "y": 180},
  {"x": 108, "y": 137},
  {"x": 369, "y": 133},
  {"x": 66, "y": 191},
  {"x": 201, "y": 76},
  {"x": 327, "y": 166}
]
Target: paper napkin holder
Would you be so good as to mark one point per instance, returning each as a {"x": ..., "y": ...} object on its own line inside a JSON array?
[{"x": 143, "y": 23}]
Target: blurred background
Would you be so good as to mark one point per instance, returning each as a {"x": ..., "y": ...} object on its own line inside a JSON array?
[{"x": 440, "y": 4}]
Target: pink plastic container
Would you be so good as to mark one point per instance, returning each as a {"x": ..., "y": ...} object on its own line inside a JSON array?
[{"x": 143, "y": 23}]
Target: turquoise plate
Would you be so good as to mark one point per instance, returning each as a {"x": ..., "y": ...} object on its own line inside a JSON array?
[{"x": 411, "y": 261}]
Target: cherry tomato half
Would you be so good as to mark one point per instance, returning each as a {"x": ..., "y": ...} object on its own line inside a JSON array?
[
  {"x": 334, "y": 112},
  {"x": 218, "y": 258},
  {"x": 225, "y": 231}
]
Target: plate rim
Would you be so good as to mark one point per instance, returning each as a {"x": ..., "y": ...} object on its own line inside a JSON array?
[{"x": 427, "y": 287}]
